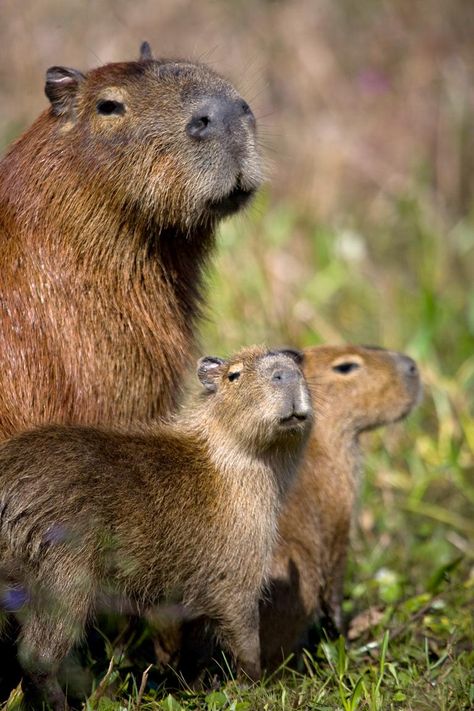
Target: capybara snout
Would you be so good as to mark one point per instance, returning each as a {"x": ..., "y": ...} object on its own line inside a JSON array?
[
  {"x": 410, "y": 375},
  {"x": 218, "y": 115},
  {"x": 290, "y": 389}
]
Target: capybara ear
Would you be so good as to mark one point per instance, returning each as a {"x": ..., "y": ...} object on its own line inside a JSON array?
[
  {"x": 208, "y": 370},
  {"x": 293, "y": 353},
  {"x": 145, "y": 52},
  {"x": 61, "y": 88}
]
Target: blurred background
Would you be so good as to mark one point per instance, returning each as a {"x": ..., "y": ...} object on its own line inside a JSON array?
[{"x": 364, "y": 231}]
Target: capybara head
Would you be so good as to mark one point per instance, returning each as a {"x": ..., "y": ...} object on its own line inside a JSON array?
[
  {"x": 259, "y": 397},
  {"x": 362, "y": 386},
  {"x": 170, "y": 135}
]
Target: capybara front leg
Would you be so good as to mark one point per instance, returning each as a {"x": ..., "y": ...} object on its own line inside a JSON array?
[
  {"x": 41, "y": 687},
  {"x": 47, "y": 636},
  {"x": 239, "y": 633}
]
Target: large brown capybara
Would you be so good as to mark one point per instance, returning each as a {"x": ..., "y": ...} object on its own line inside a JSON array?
[
  {"x": 186, "y": 511},
  {"x": 108, "y": 210}
]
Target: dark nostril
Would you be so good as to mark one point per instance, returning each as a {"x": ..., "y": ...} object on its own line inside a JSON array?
[
  {"x": 409, "y": 366},
  {"x": 283, "y": 376},
  {"x": 203, "y": 121},
  {"x": 248, "y": 113},
  {"x": 198, "y": 127}
]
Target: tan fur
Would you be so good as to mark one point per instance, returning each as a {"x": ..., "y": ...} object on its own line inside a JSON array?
[
  {"x": 185, "y": 513},
  {"x": 309, "y": 561},
  {"x": 107, "y": 223}
]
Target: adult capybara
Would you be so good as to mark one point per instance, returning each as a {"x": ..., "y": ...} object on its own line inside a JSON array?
[
  {"x": 108, "y": 210},
  {"x": 357, "y": 389},
  {"x": 185, "y": 512}
]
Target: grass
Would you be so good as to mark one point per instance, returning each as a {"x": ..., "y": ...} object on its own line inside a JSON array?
[{"x": 402, "y": 280}]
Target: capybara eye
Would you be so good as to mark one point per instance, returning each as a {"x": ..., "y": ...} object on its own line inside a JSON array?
[
  {"x": 108, "y": 107},
  {"x": 234, "y": 376},
  {"x": 346, "y": 367}
]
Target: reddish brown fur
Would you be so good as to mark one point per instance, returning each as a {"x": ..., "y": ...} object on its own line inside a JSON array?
[
  {"x": 187, "y": 511},
  {"x": 106, "y": 226},
  {"x": 309, "y": 561}
]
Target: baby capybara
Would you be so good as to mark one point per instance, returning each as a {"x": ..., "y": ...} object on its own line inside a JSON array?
[
  {"x": 184, "y": 513},
  {"x": 108, "y": 209},
  {"x": 357, "y": 389}
]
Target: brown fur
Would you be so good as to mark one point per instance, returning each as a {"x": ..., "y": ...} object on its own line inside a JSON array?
[
  {"x": 309, "y": 561},
  {"x": 185, "y": 513},
  {"x": 308, "y": 564},
  {"x": 107, "y": 223}
]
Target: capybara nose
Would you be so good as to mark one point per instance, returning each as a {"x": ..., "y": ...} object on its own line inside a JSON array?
[
  {"x": 407, "y": 366},
  {"x": 302, "y": 405},
  {"x": 302, "y": 413},
  {"x": 281, "y": 376},
  {"x": 298, "y": 403},
  {"x": 216, "y": 115}
]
